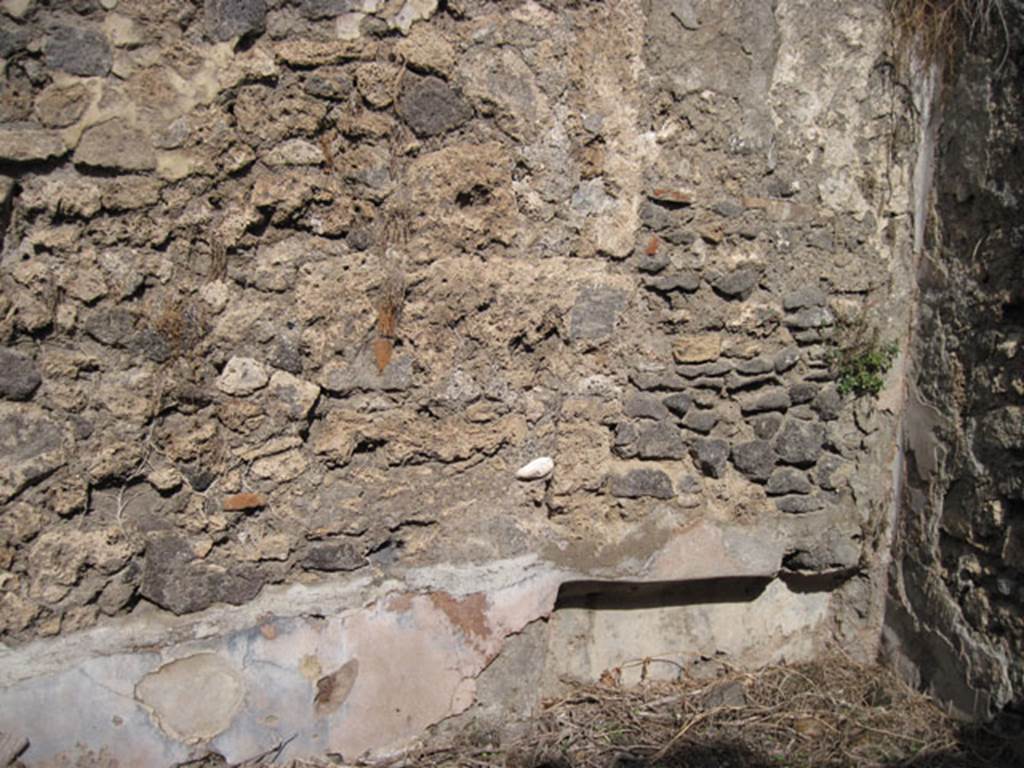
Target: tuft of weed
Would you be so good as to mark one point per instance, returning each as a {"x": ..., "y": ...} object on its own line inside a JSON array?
[{"x": 860, "y": 359}]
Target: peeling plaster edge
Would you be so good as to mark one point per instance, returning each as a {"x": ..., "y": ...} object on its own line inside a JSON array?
[
  {"x": 165, "y": 635},
  {"x": 152, "y": 628}
]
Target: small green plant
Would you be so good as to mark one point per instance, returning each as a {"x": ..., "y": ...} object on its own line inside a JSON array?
[{"x": 861, "y": 360}]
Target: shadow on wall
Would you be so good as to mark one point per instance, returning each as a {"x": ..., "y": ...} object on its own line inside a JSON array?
[{"x": 625, "y": 595}]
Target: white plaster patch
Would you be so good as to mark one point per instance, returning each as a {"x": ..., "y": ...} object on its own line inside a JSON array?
[{"x": 170, "y": 693}]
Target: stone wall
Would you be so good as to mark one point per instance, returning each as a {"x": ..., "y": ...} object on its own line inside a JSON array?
[
  {"x": 955, "y": 613},
  {"x": 293, "y": 288}
]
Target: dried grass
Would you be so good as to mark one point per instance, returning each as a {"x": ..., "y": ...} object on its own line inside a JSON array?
[
  {"x": 828, "y": 714},
  {"x": 937, "y": 29}
]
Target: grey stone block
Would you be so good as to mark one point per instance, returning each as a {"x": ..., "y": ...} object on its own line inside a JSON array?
[
  {"x": 785, "y": 480},
  {"x": 79, "y": 51},
  {"x": 755, "y": 459},
  {"x": 641, "y": 483},
  {"x": 710, "y": 456},
  {"x": 595, "y": 313},
  {"x": 645, "y": 406},
  {"x": 228, "y": 19},
  {"x": 430, "y": 107},
  {"x": 800, "y": 443},
  {"x": 660, "y": 441},
  {"x": 19, "y": 378}
]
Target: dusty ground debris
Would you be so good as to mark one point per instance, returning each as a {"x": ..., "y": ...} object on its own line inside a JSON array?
[{"x": 831, "y": 713}]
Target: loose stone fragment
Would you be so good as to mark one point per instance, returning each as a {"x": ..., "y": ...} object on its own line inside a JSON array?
[
  {"x": 31, "y": 447},
  {"x": 537, "y": 469},
  {"x": 363, "y": 374},
  {"x": 113, "y": 327},
  {"x": 625, "y": 440},
  {"x": 672, "y": 196},
  {"x": 653, "y": 264},
  {"x": 59, "y": 106},
  {"x": 640, "y": 483},
  {"x": 425, "y": 50},
  {"x": 291, "y": 396},
  {"x": 834, "y": 547},
  {"x": 825, "y": 472},
  {"x": 172, "y": 578}
]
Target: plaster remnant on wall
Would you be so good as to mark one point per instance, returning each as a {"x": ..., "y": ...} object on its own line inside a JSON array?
[{"x": 170, "y": 693}]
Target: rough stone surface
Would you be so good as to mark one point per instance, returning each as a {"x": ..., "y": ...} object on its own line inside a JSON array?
[
  {"x": 640, "y": 405},
  {"x": 710, "y": 456},
  {"x": 737, "y": 284},
  {"x": 242, "y": 376},
  {"x": 227, "y": 19},
  {"x": 333, "y": 556},
  {"x": 642, "y": 483},
  {"x": 660, "y": 441},
  {"x": 78, "y": 51},
  {"x": 31, "y": 448},
  {"x": 27, "y": 142},
  {"x": 595, "y": 313},
  {"x": 697, "y": 348},
  {"x": 19, "y": 377},
  {"x": 950, "y": 624},
  {"x": 116, "y": 145},
  {"x": 319, "y": 276},
  {"x": 678, "y": 403},
  {"x": 755, "y": 459},
  {"x": 431, "y": 107},
  {"x": 799, "y": 442},
  {"x": 787, "y": 480}
]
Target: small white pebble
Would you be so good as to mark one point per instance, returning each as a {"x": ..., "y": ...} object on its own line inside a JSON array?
[{"x": 536, "y": 469}]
